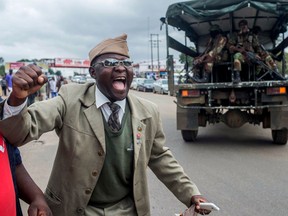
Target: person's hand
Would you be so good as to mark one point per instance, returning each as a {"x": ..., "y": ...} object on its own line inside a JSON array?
[
  {"x": 27, "y": 80},
  {"x": 198, "y": 60},
  {"x": 258, "y": 57},
  {"x": 195, "y": 200},
  {"x": 39, "y": 207}
]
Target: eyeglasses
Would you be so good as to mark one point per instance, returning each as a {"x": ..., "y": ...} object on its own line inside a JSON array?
[{"x": 115, "y": 63}]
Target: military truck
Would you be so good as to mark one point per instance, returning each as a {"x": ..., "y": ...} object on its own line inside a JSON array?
[{"x": 257, "y": 99}]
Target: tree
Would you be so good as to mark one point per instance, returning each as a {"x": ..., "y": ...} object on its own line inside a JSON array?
[
  {"x": 50, "y": 71},
  {"x": 2, "y": 67},
  {"x": 2, "y": 70},
  {"x": 58, "y": 73},
  {"x": 185, "y": 58}
]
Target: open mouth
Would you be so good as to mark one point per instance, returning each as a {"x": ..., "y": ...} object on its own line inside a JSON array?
[{"x": 119, "y": 83}]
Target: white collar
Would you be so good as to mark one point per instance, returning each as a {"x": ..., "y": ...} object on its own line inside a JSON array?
[{"x": 101, "y": 99}]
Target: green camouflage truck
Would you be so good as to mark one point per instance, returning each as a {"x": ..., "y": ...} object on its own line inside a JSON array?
[{"x": 259, "y": 100}]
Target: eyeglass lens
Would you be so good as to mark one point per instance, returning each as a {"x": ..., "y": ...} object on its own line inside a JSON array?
[{"x": 115, "y": 63}]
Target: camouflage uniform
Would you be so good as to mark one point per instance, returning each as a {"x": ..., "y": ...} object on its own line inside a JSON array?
[
  {"x": 248, "y": 42},
  {"x": 265, "y": 56},
  {"x": 211, "y": 55}
]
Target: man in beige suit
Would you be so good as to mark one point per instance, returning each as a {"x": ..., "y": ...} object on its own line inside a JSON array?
[{"x": 103, "y": 154}]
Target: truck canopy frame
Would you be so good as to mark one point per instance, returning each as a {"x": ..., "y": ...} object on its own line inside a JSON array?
[{"x": 195, "y": 18}]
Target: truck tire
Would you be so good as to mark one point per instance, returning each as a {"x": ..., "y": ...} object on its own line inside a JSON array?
[
  {"x": 279, "y": 136},
  {"x": 189, "y": 135}
]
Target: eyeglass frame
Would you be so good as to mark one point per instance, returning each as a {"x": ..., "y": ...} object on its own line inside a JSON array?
[{"x": 115, "y": 61}]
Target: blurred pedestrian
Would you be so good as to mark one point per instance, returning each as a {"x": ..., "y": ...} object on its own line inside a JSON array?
[
  {"x": 31, "y": 98},
  {"x": 53, "y": 88},
  {"x": 8, "y": 79},
  {"x": 4, "y": 85}
]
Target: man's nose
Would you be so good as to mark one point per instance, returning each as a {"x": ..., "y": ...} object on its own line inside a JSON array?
[{"x": 120, "y": 67}]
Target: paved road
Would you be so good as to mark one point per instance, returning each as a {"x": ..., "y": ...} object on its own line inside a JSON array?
[{"x": 238, "y": 169}]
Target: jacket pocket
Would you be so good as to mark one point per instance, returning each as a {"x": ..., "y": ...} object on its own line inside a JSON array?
[{"x": 52, "y": 198}]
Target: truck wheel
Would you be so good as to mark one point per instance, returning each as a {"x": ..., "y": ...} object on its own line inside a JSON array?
[
  {"x": 189, "y": 135},
  {"x": 279, "y": 136}
]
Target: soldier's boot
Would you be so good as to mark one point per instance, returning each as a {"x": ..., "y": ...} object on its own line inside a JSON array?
[{"x": 237, "y": 77}]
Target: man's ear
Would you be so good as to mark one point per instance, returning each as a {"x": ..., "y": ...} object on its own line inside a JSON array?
[{"x": 92, "y": 72}]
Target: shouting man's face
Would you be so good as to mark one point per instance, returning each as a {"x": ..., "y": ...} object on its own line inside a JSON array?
[{"x": 113, "y": 74}]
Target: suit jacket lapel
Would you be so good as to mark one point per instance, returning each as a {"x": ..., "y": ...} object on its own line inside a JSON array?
[
  {"x": 139, "y": 128},
  {"x": 94, "y": 115}
]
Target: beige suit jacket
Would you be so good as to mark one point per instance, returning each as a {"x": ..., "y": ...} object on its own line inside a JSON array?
[{"x": 81, "y": 151}]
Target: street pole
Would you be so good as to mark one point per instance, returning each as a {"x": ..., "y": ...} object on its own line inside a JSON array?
[
  {"x": 151, "y": 40},
  {"x": 157, "y": 45}
]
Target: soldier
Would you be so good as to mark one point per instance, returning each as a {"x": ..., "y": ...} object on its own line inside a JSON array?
[
  {"x": 212, "y": 54},
  {"x": 265, "y": 57},
  {"x": 240, "y": 43},
  {"x": 247, "y": 41}
]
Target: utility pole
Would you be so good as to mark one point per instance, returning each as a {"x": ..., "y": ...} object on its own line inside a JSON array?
[{"x": 152, "y": 41}]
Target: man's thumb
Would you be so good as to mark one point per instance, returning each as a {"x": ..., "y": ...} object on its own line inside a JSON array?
[{"x": 41, "y": 79}]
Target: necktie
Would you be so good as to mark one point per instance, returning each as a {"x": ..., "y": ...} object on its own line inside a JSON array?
[{"x": 113, "y": 120}]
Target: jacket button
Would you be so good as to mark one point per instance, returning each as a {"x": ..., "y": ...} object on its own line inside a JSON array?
[
  {"x": 94, "y": 173},
  {"x": 88, "y": 191},
  {"x": 100, "y": 153}
]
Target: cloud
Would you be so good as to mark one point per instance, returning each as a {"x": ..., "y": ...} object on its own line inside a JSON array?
[{"x": 50, "y": 29}]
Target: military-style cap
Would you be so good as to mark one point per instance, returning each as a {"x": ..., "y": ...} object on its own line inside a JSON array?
[
  {"x": 116, "y": 45},
  {"x": 243, "y": 22}
]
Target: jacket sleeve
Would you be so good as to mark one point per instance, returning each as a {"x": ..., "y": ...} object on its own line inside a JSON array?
[
  {"x": 166, "y": 167},
  {"x": 33, "y": 121}
]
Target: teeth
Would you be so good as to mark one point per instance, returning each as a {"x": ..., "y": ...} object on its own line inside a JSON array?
[{"x": 120, "y": 78}]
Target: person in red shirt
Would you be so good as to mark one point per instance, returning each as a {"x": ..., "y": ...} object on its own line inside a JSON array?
[{"x": 16, "y": 181}]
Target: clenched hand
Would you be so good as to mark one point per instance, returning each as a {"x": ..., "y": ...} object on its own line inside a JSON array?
[{"x": 27, "y": 80}]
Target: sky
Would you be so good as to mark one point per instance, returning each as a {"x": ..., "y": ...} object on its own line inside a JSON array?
[{"x": 35, "y": 29}]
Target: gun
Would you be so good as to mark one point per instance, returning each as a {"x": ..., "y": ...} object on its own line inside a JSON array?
[{"x": 273, "y": 73}]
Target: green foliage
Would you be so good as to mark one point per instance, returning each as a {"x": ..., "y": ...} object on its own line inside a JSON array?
[
  {"x": 58, "y": 73},
  {"x": 24, "y": 60},
  {"x": 286, "y": 61},
  {"x": 184, "y": 58},
  {"x": 2, "y": 67},
  {"x": 50, "y": 71},
  {"x": 2, "y": 70}
]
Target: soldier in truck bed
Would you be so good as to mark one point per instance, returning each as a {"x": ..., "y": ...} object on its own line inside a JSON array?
[
  {"x": 212, "y": 54},
  {"x": 247, "y": 41}
]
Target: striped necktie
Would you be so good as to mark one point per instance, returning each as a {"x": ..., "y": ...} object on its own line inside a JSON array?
[{"x": 113, "y": 120}]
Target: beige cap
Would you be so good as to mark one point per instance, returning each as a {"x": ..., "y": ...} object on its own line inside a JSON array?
[{"x": 116, "y": 45}]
